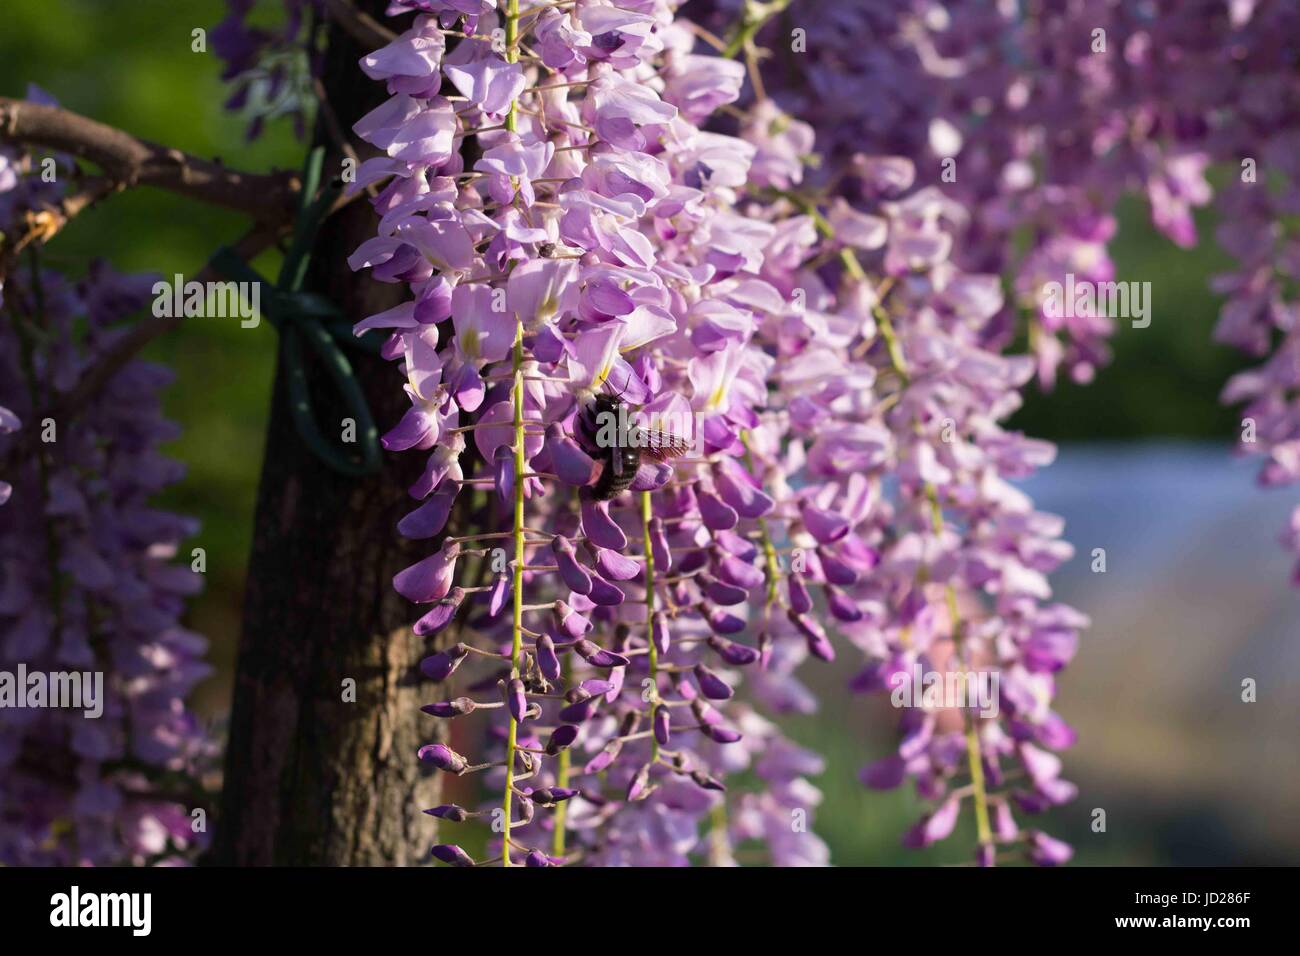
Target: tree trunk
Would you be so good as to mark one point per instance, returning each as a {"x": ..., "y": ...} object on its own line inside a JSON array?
[{"x": 311, "y": 779}]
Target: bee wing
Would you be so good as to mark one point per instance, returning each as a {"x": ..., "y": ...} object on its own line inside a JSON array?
[{"x": 663, "y": 445}]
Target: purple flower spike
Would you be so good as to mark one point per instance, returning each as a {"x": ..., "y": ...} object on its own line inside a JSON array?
[
  {"x": 615, "y": 566},
  {"x": 639, "y": 788},
  {"x": 443, "y": 757},
  {"x": 659, "y": 633},
  {"x": 570, "y": 621},
  {"x": 800, "y": 600},
  {"x": 736, "y": 654},
  {"x": 547, "y": 660},
  {"x": 503, "y": 473},
  {"x": 450, "y": 708},
  {"x": 605, "y": 594},
  {"x": 574, "y": 574},
  {"x": 737, "y": 545},
  {"x": 842, "y": 606},
  {"x": 662, "y": 725},
  {"x": 443, "y": 613},
  {"x": 1046, "y": 851},
  {"x": 597, "y": 656},
  {"x": 819, "y": 644},
  {"x": 538, "y": 858},
  {"x": 452, "y": 854},
  {"x": 825, "y": 526},
  {"x": 595, "y": 687},
  {"x": 573, "y": 465},
  {"x": 516, "y": 699},
  {"x": 431, "y": 517},
  {"x": 430, "y": 579},
  {"x": 738, "y": 490},
  {"x": 452, "y": 812},
  {"x": 440, "y": 666},
  {"x": 603, "y": 759},
  {"x": 659, "y": 548},
  {"x": 836, "y": 571},
  {"x": 724, "y": 622},
  {"x": 740, "y": 573},
  {"x": 722, "y": 593},
  {"x": 550, "y": 796},
  {"x": 600, "y": 527},
  {"x": 719, "y": 734},
  {"x": 502, "y": 588},
  {"x": 716, "y": 513},
  {"x": 706, "y": 782},
  {"x": 561, "y": 737},
  {"x": 711, "y": 685},
  {"x": 579, "y": 711}
]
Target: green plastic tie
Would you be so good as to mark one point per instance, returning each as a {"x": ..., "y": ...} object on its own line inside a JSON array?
[{"x": 307, "y": 316}]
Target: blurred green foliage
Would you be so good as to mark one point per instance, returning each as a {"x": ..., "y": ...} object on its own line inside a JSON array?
[{"x": 129, "y": 63}]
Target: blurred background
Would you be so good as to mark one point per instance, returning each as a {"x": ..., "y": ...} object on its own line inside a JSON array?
[{"x": 1195, "y": 598}]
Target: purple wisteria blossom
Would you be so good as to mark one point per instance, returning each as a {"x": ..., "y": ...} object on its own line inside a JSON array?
[{"x": 90, "y": 587}]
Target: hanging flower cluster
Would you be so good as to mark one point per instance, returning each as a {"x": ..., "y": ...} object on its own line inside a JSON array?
[
  {"x": 811, "y": 265},
  {"x": 89, "y": 593},
  {"x": 269, "y": 70},
  {"x": 1038, "y": 124},
  {"x": 582, "y": 310}
]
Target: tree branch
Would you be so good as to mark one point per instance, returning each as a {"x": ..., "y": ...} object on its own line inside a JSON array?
[
  {"x": 124, "y": 349},
  {"x": 362, "y": 27},
  {"x": 126, "y": 160}
]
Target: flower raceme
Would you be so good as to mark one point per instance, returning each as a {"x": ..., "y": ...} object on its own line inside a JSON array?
[
  {"x": 87, "y": 579},
  {"x": 568, "y": 234},
  {"x": 568, "y": 229}
]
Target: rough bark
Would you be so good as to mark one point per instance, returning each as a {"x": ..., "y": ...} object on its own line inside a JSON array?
[{"x": 310, "y": 779}]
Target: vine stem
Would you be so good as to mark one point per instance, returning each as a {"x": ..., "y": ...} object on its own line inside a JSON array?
[
  {"x": 974, "y": 757},
  {"x": 647, "y": 513},
  {"x": 561, "y": 780},
  {"x": 517, "y": 638},
  {"x": 521, "y": 467}
]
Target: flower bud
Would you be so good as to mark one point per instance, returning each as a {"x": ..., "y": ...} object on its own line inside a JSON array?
[
  {"x": 574, "y": 574},
  {"x": 597, "y": 656},
  {"x": 516, "y": 700},
  {"x": 659, "y": 634},
  {"x": 547, "y": 660},
  {"x": 570, "y": 621},
  {"x": 443, "y": 757},
  {"x": 441, "y": 665},
  {"x": 662, "y": 725},
  {"x": 818, "y": 644},
  {"x": 452, "y": 854},
  {"x": 442, "y": 613},
  {"x": 550, "y": 796},
  {"x": 452, "y": 812},
  {"x": 731, "y": 652},
  {"x": 711, "y": 685},
  {"x": 800, "y": 600},
  {"x": 706, "y": 782},
  {"x": 639, "y": 788},
  {"x": 450, "y": 708},
  {"x": 561, "y": 737}
]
